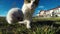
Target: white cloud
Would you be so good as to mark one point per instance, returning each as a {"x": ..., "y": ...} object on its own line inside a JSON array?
[
  {"x": 40, "y": 6},
  {"x": 2, "y": 16}
]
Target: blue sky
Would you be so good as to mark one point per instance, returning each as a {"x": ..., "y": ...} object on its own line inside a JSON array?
[{"x": 5, "y": 5}]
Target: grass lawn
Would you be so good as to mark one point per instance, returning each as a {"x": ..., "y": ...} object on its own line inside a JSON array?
[{"x": 39, "y": 25}]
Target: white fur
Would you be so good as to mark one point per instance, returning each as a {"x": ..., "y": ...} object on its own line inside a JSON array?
[
  {"x": 26, "y": 8},
  {"x": 13, "y": 14}
]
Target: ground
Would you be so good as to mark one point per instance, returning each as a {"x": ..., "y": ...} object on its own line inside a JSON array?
[{"x": 39, "y": 25}]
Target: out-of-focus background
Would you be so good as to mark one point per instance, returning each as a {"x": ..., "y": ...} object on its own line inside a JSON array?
[{"x": 44, "y": 5}]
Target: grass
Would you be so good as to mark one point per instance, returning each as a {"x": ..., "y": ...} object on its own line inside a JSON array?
[
  {"x": 38, "y": 26},
  {"x": 46, "y": 19}
]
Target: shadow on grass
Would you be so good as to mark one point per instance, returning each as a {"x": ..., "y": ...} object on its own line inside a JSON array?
[
  {"x": 58, "y": 32},
  {"x": 46, "y": 23},
  {"x": 5, "y": 27},
  {"x": 43, "y": 23}
]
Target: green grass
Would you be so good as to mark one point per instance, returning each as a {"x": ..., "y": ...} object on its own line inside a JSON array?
[
  {"x": 39, "y": 26},
  {"x": 48, "y": 18}
]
